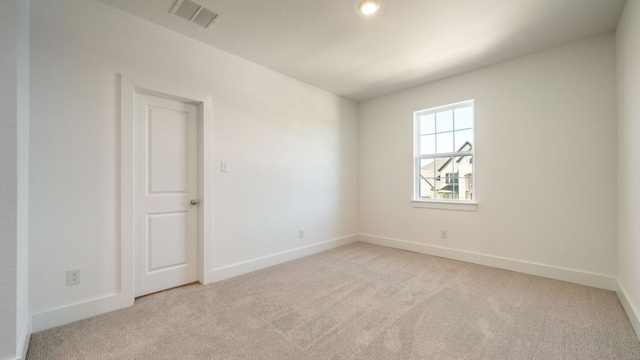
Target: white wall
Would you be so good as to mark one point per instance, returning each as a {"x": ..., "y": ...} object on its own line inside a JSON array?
[
  {"x": 9, "y": 178},
  {"x": 545, "y": 157},
  {"x": 23, "y": 329},
  {"x": 628, "y": 55},
  {"x": 291, "y": 148},
  {"x": 14, "y": 182}
]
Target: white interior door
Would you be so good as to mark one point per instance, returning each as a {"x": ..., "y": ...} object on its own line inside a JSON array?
[{"x": 166, "y": 192}]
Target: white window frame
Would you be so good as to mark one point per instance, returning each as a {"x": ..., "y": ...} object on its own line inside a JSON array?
[{"x": 446, "y": 204}]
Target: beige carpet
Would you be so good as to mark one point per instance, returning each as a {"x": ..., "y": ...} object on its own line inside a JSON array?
[{"x": 358, "y": 302}]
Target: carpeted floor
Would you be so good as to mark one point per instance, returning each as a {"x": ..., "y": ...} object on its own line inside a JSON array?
[{"x": 359, "y": 301}]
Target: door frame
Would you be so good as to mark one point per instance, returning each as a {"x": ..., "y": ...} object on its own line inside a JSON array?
[{"x": 129, "y": 86}]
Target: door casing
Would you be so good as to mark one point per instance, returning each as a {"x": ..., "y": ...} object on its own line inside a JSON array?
[{"x": 129, "y": 86}]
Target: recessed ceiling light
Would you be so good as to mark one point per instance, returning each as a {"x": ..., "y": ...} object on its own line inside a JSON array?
[{"x": 369, "y": 7}]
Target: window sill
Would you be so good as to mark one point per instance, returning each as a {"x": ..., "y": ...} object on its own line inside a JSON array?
[{"x": 445, "y": 205}]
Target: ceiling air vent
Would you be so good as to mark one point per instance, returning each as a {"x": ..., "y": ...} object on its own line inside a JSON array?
[{"x": 195, "y": 13}]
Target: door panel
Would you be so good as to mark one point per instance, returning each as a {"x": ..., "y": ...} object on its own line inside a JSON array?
[
  {"x": 168, "y": 146},
  {"x": 167, "y": 240},
  {"x": 167, "y": 180}
]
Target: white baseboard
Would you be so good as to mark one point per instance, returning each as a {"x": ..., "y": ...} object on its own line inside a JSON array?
[
  {"x": 82, "y": 310},
  {"x": 570, "y": 275},
  {"x": 632, "y": 312},
  {"x": 275, "y": 259},
  {"x": 74, "y": 312}
]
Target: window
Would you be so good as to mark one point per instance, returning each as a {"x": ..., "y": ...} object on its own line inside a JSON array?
[{"x": 444, "y": 153}]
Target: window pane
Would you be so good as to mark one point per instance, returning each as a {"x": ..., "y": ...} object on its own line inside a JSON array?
[
  {"x": 448, "y": 192},
  {"x": 427, "y": 181},
  {"x": 427, "y": 144},
  {"x": 446, "y": 179},
  {"x": 443, "y": 166},
  {"x": 427, "y": 169},
  {"x": 444, "y": 121},
  {"x": 463, "y": 118},
  {"x": 427, "y": 124},
  {"x": 464, "y": 168},
  {"x": 462, "y": 137},
  {"x": 444, "y": 142},
  {"x": 427, "y": 191}
]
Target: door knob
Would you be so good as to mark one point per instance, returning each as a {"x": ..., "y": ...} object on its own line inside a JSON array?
[{"x": 194, "y": 202}]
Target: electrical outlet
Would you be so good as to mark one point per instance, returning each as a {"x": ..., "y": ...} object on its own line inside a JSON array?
[
  {"x": 444, "y": 234},
  {"x": 73, "y": 277},
  {"x": 223, "y": 166},
  {"x": 301, "y": 234}
]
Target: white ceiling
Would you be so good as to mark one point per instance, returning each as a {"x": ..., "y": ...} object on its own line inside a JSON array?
[{"x": 329, "y": 44}]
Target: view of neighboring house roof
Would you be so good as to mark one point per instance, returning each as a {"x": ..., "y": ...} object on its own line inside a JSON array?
[{"x": 464, "y": 148}]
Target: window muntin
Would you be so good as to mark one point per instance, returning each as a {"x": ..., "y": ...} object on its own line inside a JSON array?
[{"x": 444, "y": 153}]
